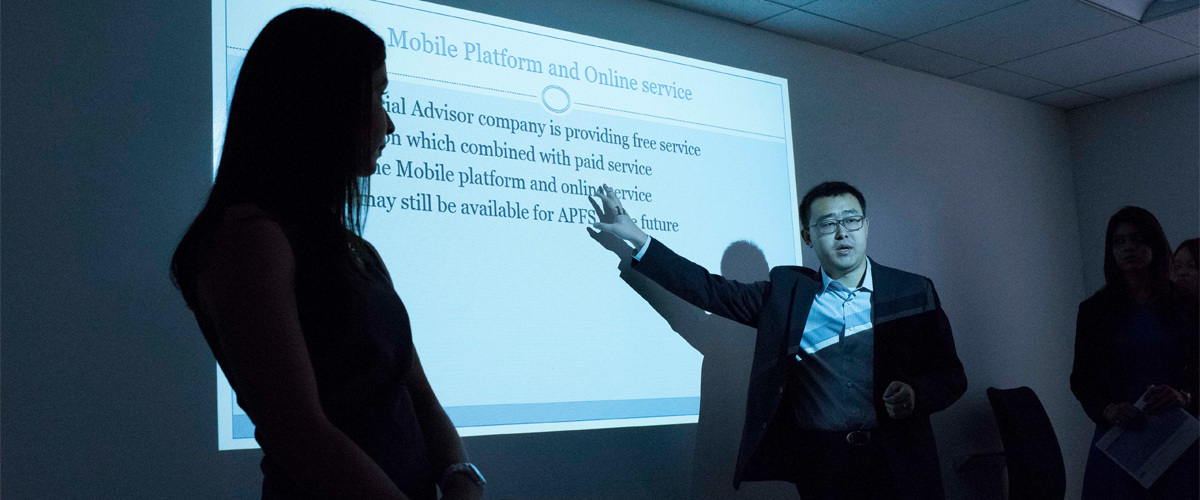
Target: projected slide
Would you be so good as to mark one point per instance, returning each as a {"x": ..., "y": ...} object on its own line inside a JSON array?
[{"x": 479, "y": 206}]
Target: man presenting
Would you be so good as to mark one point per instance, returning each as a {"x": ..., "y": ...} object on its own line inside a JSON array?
[{"x": 849, "y": 361}]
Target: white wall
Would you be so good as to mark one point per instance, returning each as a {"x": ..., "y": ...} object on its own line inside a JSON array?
[
  {"x": 1142, "y": 150},
  {"x": 108, "y": 385}
]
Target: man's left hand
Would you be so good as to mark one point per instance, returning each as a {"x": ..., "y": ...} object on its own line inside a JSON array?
[{"x": 899, "y": 399}]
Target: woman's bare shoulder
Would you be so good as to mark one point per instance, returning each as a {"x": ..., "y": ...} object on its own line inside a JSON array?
[
  {"x": 248, "y": 221},
  {"x": 249, "y": 244},
  {"x": 373, "y": 256}
]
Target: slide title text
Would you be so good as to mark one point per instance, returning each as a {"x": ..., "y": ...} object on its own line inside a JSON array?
[{"x": 476, "y": 52}]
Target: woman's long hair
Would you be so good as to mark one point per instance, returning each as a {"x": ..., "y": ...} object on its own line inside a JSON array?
[
  {"x": 1152, "y": 235},
  {"x": 297, "y": 139}
]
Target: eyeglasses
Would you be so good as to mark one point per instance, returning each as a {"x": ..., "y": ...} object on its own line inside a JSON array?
[{"x": 853, "y": 223}]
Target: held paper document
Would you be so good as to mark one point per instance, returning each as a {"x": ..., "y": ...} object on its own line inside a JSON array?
[{"x": 1147, "y": 452}]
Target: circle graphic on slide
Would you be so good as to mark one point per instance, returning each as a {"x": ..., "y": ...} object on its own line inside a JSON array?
[{"x": 556, "y": 99}]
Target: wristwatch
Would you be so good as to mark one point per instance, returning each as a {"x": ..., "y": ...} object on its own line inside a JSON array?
[{"x": 465, "y": 468}]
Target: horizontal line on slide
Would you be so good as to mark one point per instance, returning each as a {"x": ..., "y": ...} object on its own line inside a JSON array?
[{"x": 540, "y": 413}]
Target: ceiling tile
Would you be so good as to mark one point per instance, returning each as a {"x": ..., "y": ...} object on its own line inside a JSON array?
[
  {"x": 913, "y": 56},
  {"x": 1145, "y": 79},
  {"x": 742, "y": 11},
  {"x": 1022, "y": 30},
  {"x": 1166, "y": 8},
  {"x": 1102, "y": 57},
  {"x": 904, "y": 18},
  {"x": 1068, "y": 99},
  {"x": 824, "y": 31},
  {"x": 1007, "y": 83},
  {"x": 1133, "y": 9},
  {"x": 1184, "y": 26}
]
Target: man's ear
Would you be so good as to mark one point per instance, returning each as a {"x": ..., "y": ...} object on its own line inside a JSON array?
[{"x": 807, "y": 238}]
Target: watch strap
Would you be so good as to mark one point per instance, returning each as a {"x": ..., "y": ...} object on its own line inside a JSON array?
[{"x": 465, "y": 468}]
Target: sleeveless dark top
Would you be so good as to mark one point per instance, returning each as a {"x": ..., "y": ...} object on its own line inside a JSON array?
[{"x": 361, "y": 367}]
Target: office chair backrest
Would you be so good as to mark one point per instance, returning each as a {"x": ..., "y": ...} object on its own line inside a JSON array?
[{"x": 1035, "y": 463}]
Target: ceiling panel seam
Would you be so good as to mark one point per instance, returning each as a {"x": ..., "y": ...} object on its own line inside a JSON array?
[
  {"x": 1076, "y": 88},
  {"x": 1013, "y": 72},
  {"x": 1109, "y": 11},
  {"x": 930, "y": 31},
  {"x": 793, "y": 7},
  {"x": 1071, "y": 89},
  {"x": 1070, "y": 44},
  {"x": 1151, "y": 28},
  {"x": 756, "y": 23},
  {"x": 949, "y": 53},
  {"x": 836, "y": 21}
]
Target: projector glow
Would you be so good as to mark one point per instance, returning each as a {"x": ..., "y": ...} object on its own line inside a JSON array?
[{"x": 479, "y": 207}]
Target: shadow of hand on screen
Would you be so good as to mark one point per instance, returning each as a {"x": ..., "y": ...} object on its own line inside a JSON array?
[
  {"x": 728, "y": 349},
  {"x": 615, "y": 245}
]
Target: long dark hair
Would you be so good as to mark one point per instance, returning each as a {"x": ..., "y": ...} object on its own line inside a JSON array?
[
  {"x": 1152, "y": 234},
  {"x": 296, "y": 141}
]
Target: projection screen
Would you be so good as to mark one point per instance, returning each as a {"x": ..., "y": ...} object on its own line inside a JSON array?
[{"x": 479, "y": 206}]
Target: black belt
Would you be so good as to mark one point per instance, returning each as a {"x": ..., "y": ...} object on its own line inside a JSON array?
[
  {"x": 852, "y": 438},
  {"x": 858, "y": 438}
]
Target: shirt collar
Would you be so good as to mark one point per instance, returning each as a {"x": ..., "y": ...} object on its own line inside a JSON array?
[{"x": 868, "y": 282}]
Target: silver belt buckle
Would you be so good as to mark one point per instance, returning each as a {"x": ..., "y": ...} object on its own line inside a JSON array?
[{"x": 858, "y": 438}]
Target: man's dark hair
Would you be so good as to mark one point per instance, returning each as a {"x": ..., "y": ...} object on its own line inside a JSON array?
[{"x": 826, "y": 190}]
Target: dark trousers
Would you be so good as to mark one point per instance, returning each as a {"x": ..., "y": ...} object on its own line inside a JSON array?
[{"x": 830, "y": 468}]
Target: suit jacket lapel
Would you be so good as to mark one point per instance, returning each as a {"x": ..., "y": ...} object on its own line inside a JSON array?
[
  {"x": 889, "y": 301},
  {"x": 806, "y": 292},
  {"x": 884, "y": 294},
  {"x": 883, "y": 309}
]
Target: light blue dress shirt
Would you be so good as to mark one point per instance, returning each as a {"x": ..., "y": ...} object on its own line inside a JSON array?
[{"x": 832, "y": 373}]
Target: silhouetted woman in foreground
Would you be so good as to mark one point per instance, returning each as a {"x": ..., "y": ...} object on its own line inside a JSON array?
[
  {"x": 1136, "y": 333},
  {"x": 297, "y": 308}
]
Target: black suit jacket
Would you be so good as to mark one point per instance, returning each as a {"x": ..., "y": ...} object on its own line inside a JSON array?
[
  {"x": 1099, "y": 366},
  {"x": 913, "y": 344}
]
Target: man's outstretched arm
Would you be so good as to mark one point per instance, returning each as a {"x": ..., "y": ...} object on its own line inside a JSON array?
[{"x": 740, "y": 302}]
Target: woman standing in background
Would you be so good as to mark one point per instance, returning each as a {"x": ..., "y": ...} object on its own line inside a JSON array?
[
  {"x": 1136, "y": 335},
  {"x": 1185, "y": 271},
  {"x": 297, "y": 308}
]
